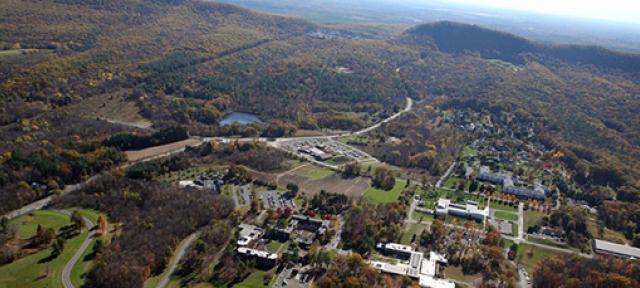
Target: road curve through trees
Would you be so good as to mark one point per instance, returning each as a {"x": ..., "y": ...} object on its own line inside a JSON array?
[
  {"x": 66, "y": 272},
  {"x": 180, "y": 251}
]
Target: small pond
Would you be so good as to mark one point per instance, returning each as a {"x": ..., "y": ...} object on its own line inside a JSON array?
[{"x": 239, "y": 117}]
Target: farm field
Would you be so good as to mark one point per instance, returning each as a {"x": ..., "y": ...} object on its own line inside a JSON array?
[{"x": 137, "y": 155}]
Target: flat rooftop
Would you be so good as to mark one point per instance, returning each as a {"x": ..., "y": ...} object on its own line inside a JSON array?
[{"x": 614, "y": 248}]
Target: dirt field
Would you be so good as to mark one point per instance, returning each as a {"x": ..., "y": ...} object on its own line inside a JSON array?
[
  {"x": 156, "y": 151},
  {"x": 335, "y": 183}
]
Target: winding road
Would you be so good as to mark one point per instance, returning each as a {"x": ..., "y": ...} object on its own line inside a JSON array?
[
  {"x": 180, "y": 251},
  {"x": 66, "y": 272},
  {"x": 42, "y": 203}
]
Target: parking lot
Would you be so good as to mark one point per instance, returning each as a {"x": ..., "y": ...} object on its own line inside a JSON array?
[
  {"x": 323, "y": 149},
  {"x": 276, "y": 199}
]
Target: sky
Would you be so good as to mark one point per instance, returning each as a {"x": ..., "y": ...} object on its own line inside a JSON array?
[{"x": 613, "y": 10}]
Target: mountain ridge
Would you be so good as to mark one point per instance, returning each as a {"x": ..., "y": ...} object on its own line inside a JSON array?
[{"x": 456, "y": 38}]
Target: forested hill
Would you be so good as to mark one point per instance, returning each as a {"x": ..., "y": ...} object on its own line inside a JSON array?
[{"x": 456, "y": 38}]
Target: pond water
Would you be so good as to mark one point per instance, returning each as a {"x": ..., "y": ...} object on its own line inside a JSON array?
[{"x": 239, "y": 117}]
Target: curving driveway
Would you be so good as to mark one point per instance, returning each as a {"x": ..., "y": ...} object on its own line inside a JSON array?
[
  {"x": 66, "y": 272},
  {"x": 180, "y": 251}
]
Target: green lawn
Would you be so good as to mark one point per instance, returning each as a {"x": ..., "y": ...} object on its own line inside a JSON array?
[
  {"x": 498, "y": 206},
  {"x": 36, "y": 270},
  {"x": 529, "y": 263},
  {"x": 256, "y": 279},
  {"x": 531, "y": 218},
  {"x": 28, "y": 224},
  {"x": 314, "y": 172},
  {"x": 469, "y": 151},
  {"x": 506, "y": 215},
  {"x": 85, "y": 263},
  {"x": 432, "y": 197},
  {"x": 607, "y": 234},
  {"x": 375, "y": 195},
  {"x": 417, "y": 215},
  {"x": 16, "y": 52},
  {"x": 414, "y": 229},
  {"x": 514, "y": 229},
  {"x": 453, "y": 182},
  {"x": 273, "y": 246}
]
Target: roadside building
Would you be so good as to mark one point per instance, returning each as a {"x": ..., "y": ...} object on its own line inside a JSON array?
[{"x": 614, "y": 249}]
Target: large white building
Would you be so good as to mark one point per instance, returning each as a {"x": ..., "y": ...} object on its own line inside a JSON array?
[
  {"x": 469, "y": 210},
  {"x": 614, "y": 249},
  {"x": 415, "y": 266}
]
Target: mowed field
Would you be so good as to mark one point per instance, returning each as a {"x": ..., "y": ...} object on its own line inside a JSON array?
[
  {"x": 312, "y": 179},
  {"x": 155, "y": 151}
]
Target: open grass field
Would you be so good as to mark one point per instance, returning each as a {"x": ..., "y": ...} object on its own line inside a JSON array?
[
  {"x": 256, "y": 279},
  {"x": 274, "y": 245},
  {"x": 334, "y": 183},
  {"x": 314, "y": 172},
  {"x": 456, "y": 273},
  {"x": 375, "y": 195},
  {"x": 529, "y": 262},
  {"x": 150, "y": 152},
  {"x": 83, "y": 266},
  {"x": 500, "y": 206},
  {"x": 469, "y": 151},
  {"x": 28, "y": 224},
  {"x": 453, "y": 182},
  {"x": 531, "y": 218},
  {"x": 414, "y": 229},
  {"x": 18, "y": 52},
  {"x": 606, "y": 233},
  {"x": 38, "y": 269},
  {"x": 506, "y": 216},
  {"x": 421, "y": 216}
]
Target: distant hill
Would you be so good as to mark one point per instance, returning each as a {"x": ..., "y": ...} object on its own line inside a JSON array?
[{"x": 456, "y": 38}]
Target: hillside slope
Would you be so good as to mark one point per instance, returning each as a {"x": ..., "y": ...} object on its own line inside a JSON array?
[{"x": 456, "y": 38}]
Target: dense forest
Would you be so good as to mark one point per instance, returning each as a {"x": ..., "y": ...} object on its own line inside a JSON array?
[
  {"x": 579, "y": 272},
  {"x": 83, "y": 81},
  {"x": 154, "y": 217}
]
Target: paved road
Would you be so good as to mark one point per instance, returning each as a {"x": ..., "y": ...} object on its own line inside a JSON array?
[
  {"x": 39, "y": 204},
  {"x": 407, "y": 108},
  {"x": 66, "y": 272},
  {"x": 445, "y": 175},
  {"x": 520, "y": 222},
  {"x": 181, "y": 250}
]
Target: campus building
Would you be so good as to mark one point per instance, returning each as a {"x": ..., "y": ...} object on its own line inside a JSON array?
[
  {"x": 413, "y": 264},
  {"x": 263, "y": 259},
  {"x": 469, "y": 210},
  {"x": 614, "y": 249}
]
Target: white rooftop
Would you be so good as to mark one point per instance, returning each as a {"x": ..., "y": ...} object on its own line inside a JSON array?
[
  {"x": 615, "y": 248},
  {"x": 257, "y": 253},
  {"x": 427, "y": 281}
]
